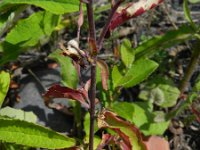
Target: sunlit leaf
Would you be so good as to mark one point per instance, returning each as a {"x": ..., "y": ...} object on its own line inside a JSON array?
[
  {"x": 116, "y": 76},
  {"x": 127, "y": 53},
  {"x": 154, "y": 128},
  {"x": 29, "y": 134},
  {"x": 97, "y": 140},
  {"x": 171, "y": 95},
  {"x": 171, "y": 38},
  {"x": 18, "y": 114},
  {"x": 130, "y": 111},
  {"x": 68, "y": 71},
  {"x": 140, "y": 114},
  {"x": 128, "y": 132},
  {"x": 4, "y": 85},
  {"x": 53, "y": 6},
  {"x": 164, "y": 95},
  {"x": 138, "y": 72},
  {"x": 41, "y": 24}
]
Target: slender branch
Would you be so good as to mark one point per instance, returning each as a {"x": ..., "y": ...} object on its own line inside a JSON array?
[
  {"x": 37, "y": 79},
  {"x": 91, "y": 23},
  {"x": 80, "y": 20},
  {"x": 105, "y": 28},
  {"x": 92, "y": 46},
  {"x": 190, "y": 69}
]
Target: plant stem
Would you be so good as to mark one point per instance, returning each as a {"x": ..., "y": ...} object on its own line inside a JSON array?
[
  {"x": 91, "y": 23},
  {"x": 92, "y": 105},
  {"x": 92, "y": 46},
  {"x": 105, "y": 28},
  {"x": 180, "y": 106},
  {"x": 190, "y": 69},
  {"x": 95, "y": 47}
]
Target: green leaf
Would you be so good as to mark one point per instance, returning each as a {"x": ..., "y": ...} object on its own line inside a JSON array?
[
  {"x": 68, "y": 71},
  {"x": 87, "y": 125},
  {"x": 116, "y": 76},
  {"x": 9, "y": 18},
  {"x": 4, "y": 85},
  {"x": 4, "y": 18},
  {"x": 140, "y": 114},
  {"x": 127, "y": 54},
  {"x": 18, "y": 114},
  {"x": 171, "y": 38},
  {"x": 29, "y": 134},
  {"x": 194, "y": 1},
  {"x": 155, "y": 128},
  {"x": 196, "y": 87},
  {"x": 138, "y": 72},
  {"x": 130, "y": 112},
  {"x": 171, "y": 95},
  {"x": 41, "y": 24},
  {"x": 128, "y": 132},
  {"x": 98, "y": 76},
  {"x": 158, "y": 126},
  {"x": 164, "y": 95},
  {"x": 187, "y": 13},
  {"x": 97, "y": 140},
  {"x": 10, "y": 52},
  {"x": 53, "y": 6}
]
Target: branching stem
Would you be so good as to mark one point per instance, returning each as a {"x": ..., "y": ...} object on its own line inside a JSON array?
[
  {"x": 94, "y": 48},
  {"x": 92, "y": 38},
  {"x": 105, "y": 28}
]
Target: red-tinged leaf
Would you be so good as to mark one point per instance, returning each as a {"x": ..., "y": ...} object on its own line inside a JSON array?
[
  {"x": 104, "y": 73},
  {"x": 123, "y": 145},
  {"x": 132, "y": 10},
  {"x": 106, "y": 139},
  {"x": 157, "y": 143},
  {"x": 130, "y": 134},
  {"x": 57, "y": 91}
]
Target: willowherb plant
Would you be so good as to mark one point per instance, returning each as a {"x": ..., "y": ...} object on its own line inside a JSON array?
[{"x": 133, "y": 132}]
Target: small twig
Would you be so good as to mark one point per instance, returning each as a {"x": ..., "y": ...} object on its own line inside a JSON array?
[
  {"x": 190, "y": 69},
  {"x": 80, "y": 20},
  {"x": 85, "y": 1},
  {"x": 37, "y": 79},
  {"x": 105, "y": 28},
  {"x": 166, "y": 11}
]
